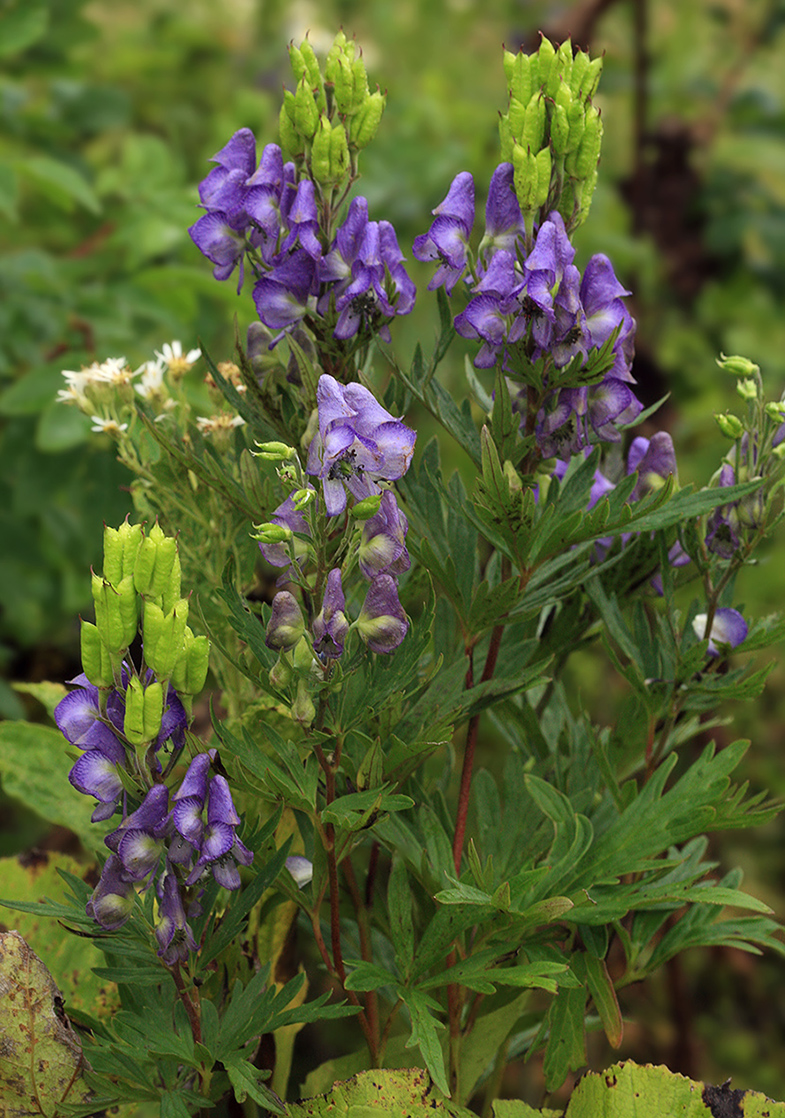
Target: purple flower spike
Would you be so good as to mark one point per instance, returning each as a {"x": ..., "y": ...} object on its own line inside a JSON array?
[
  {"x": 383, "y": 543},
  {"x": 359, "y": 444},
  {"x": 331, "y": 625},
  {"x": 113, "y": 898},
  {"x": 382, "y": 623},
  {"x": 447, "y": 240},
  {"x": 175, "y": 938},
  {"x": 728, "y": 628},
  {"x": 221, "y": 238}
]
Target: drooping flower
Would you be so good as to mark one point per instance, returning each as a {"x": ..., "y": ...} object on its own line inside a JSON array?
[
  {"x": 211, "y": 846},
  {"x": 383, "y": 542},
  {"x": 331, "y": 624},
  {"x": 447, "y": 240},
  {"x": 655, "y": 461},
  {"x": 139, "y": 840},
  {"x": 359, "y": 444},
  {"x": 174, "y": 935},
  {"x": 113, "y": 898},
  {"x": 287, "y": 515},
  {"x": 382, "y": 622},
  {"x": 728, "y": 627},
  {"x": 286, "y": 624}
]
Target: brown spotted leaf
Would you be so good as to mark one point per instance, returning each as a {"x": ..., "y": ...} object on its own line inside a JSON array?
[{"x": 41, "y": 1058}]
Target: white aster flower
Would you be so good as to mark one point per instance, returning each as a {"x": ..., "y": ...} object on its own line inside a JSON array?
[
  {"x": 175, "y": 361},
  {"x": 213, "y": 424},
  {"x": 107, "y": 426},
  {"x": 151, "y": 379}
]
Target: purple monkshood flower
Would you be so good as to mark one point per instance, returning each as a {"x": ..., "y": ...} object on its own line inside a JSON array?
[
  {"x": 722, "y": 536},
  {"x": 382, "y": 623},
  {"x": 379, "y": 286},
  {"x": 284, "y": 296},
  {"x": 383, "y": 541},
  {"x": 331, "y": 624},
  {"x": 654, "y": 459},
  {"x": 286, "y": 624},
  {"x": 212, "y": 846},
  {"x": 113, "y": 898},
  {"x": 359, "y": 444},
  {"x": 728, "y": 627},
  {"x": 139, "y": 840},
  {"x": 175, "y": 938},
  {"x": 447, "y": 240},
  {"x": 504, "y": 225}
]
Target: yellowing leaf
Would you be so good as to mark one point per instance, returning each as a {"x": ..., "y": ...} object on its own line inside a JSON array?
[{"x": 40, "y": 1055}]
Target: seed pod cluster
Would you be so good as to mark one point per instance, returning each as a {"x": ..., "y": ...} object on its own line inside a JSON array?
[
  {"x": 331, "y": 116},
  {"x": 552, "y": 132}
]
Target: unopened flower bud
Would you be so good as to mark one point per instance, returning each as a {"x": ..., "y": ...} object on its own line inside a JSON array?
[
  {"x": 747, "y": 389},
  {"x": 303, "y": 710},
  {"x": 738, "y": 366},
  {"x": 274, "y": 452},
  {"x": 303, "y": 658},
  {"x": 301, "y": 498},
  {"x": 366, "y": 508},
  {"x": 281, "y": 673},
  {"x": 286, "y": 624},
  {"x": 300, "y": 869},
  {"x": 730, "y": 425},
  {"x": 271, "y": 534},
  {"x": 775, "y": 411}
]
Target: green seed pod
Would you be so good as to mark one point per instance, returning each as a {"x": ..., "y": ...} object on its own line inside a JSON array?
[
  {"x": 314, "y": 74},
  {"x": 545, "y": 59},
  {"x": 113, "y": 555},
  {"x": 525, "y": 177},
  {"x": 506, "y": 139},
  {"x": 96, "y": 661},
  {"x": 585, "y": 195},
  {"x": 173, "y": 590},
  {"x": 364, "y": 125},
  {"x": 128, "y": 601},
  {"x": 108, "y": 617},
  {"x": 133, "y": 724},
  {"x": 297, "y": 62},
  {"x": 168, "y": 631},
  {"x": 576, "y": 117},
  {"x": 291, "y": 143},
  {"x": 591, "y": 79},
  {"x": 567, "y": 204},
  {"x": 306, "y": 114},
  {"x": 534, "y": 124},
  {"x": 152, "y": 710},
  {"x": 360, "y": 91},
  {"x": 320, "y": 152},
  {"x": 152, "y": 630},
  {"x": 588, "y": 153},
  {"x": 543, "y": 163},
  {"x": 340, "y": 74},
  {"x": 580, "y": 65},
  {"x": 521, "y": 86},
  {"x": 339, "y": 153},
  {"x": 516, "y": 115},
  {"x": 564, "y": 61},
  {"x": 508, "y": 63},
  {"x": 197, "y": 665},
  {"x": 560, "y": 130}
]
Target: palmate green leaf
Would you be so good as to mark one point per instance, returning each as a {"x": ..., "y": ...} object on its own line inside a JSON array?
[
  {"x": 425, "y": 1028},
  {"x": 359, "y": 809},
  {"x": 247, "y": 1082},
  {"x": 566, "y": 1047}
]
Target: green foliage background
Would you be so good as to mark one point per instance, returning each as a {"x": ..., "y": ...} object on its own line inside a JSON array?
[{"x": 109, "y": 112}]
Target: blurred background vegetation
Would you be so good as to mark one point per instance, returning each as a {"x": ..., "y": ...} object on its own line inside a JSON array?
[{"x": 109, "y": 112}]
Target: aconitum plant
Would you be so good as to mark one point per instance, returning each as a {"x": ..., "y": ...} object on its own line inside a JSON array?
[{"x": 314, "y": 838}]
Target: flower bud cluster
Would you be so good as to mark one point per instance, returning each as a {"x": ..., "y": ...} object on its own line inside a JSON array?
[
  {"x": 552, "y": 132},
  {"x": 126, "y": 719}
]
